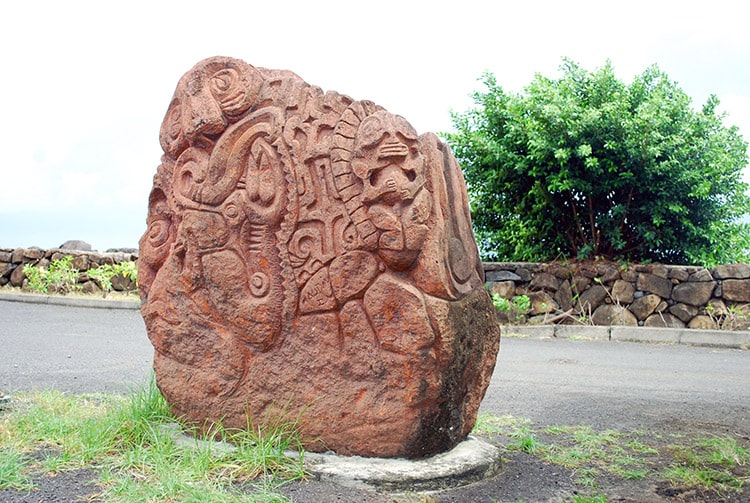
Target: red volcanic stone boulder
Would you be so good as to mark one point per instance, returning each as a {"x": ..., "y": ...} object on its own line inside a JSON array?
[{"x": 312, "y": 253}]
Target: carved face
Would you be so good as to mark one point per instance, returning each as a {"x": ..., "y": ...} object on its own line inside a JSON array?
[
  {"x": 215, "y": 93},
  {"x": 160, "y": 234},
  {"x": 387, "y": 158}
]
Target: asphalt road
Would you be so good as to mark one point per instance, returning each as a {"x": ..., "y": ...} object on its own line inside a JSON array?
[
  {"x": 73, "y": 349},
  {"x": 550, "y": 381}
]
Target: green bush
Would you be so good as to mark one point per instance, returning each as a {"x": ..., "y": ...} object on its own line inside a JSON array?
[
  {"x": 60, "y": 276},
  {"x": 515, "y": 308},
  {"x": 104, "y": 273},
  {"x": 586, "y": 166}
]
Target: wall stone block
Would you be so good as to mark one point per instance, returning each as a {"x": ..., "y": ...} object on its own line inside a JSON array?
[
  {"x": 702, "y": 322},
  {"x": 731, "y": 271},
  {"x": 545, "y": 281},
  {"x": 699, "y": 276},
  {"x": 505, "y": 289},
  {"x": 564, "y": 296},
  {"x": 623, "y": 291},
  {"x": 695, "y": 293},
  {"x": 652, "y": 283},
  {"x": 736, "y": 290},
  {"x": 684, "y": 312},
  {"x": 644, "y": 306},
  {"x": 663, "y": 320},
  {"x": 592, "y": 298},
  {"x": 610, "y": 314}
]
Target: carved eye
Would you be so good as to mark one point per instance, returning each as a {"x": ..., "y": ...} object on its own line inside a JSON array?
[
  {"x": 370, "y": 132},
  {"x": 231, "y": 211},
  {"x": 172, "y": 136},
  {"x": 158, "y": 232},
  {"x": 228, "y": 88},
  {"x": 174, "y": 120},
  {"x": 222, "y": 81},
  {"x": 259, "y": 284}
]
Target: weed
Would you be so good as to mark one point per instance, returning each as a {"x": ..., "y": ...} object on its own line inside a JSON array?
[
  {"x": 13, "y": 466},
  {"x": 507, "y": 424},
  {"x": 104, "y": 273},
  {"x": 708, "y": 463},
  {"x": 60, "y": 276},
  {"x": 733, "y": 317},
  {"x": 516, "y": 309},
  {"x": 527, "y": 441},
  {"x": 124, "y": 438},
  {"x": 595, "y": 498},
  {"x": 581, "y": 449},
  {"x": 712, "y": 463}
]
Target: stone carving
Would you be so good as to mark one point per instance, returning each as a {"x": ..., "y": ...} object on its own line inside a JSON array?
[{"x": 312, "y": 253}]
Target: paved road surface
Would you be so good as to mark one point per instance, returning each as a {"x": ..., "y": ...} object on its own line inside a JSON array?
[
  {"x": 622, "y": 385},
  {"x": 605, "y": 384},
  {"x": 73, "y": 349}
]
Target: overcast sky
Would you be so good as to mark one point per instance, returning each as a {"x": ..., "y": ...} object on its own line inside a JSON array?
[{"x": 86, "y": 84}]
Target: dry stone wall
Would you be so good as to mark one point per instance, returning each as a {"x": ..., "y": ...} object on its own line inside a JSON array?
[
  {"x": 606, "y": 293},
  {"x": 602, "y": 293},
  {"x": 12, "y": 261}
]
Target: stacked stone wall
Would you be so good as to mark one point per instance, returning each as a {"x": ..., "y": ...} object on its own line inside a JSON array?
[
  {"x": 13, "y": 260},
  {"x": 606, "y": 293},
  {"x": 598, "y": 293}
]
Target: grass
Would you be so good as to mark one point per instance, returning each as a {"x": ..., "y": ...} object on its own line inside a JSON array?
[
  {"x": 718, "y": 464},
  {"x": 129, "y": 442},
  {"x": 710, "y": 462}
]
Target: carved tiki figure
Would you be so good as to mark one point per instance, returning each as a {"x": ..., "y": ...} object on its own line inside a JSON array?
[{"x": 312, "y": 253}]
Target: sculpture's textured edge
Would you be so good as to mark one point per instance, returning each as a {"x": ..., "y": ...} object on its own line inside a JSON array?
[{"x": 311, "y": 254}]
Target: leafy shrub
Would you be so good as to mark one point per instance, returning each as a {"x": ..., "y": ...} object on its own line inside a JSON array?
[
  {"x": 104, "y": 273},
  {"x": 515, "y": 308},
  {"x": 60, "y": 276}
]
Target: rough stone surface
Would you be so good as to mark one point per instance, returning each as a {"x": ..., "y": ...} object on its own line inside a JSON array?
[
  {"x": 623, "y": 291},
  {"x": 500, "y": 276},
  {"x": 663, "y": 320},
  {"x": 702, "y": 275},
  {"x": 609, "y": 314},
  {"x": 731, "y": 271},
  {"x": 564, "y": 296},
  {"x": 695, "y": 293},
  {"x": 652, "y": 283},
  {"x": 313, "y": 253},
  {"x": 684, "y": 312},
  {"x": 643, "y": 307},
  {"x": 17, "y": 276},
  {"x": 702, "y": 322},
  {"x": 591, "y": 298},
  {"x": 542, "y": 303},
  {"x": 75, "y": 244},
  {"x": 545, "y": 281},
  {"x": 736, "y": 290},
  {"x": 505, "y": 289}
]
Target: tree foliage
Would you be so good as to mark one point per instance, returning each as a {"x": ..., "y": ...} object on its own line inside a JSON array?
[{"x": 586, "y": 165}]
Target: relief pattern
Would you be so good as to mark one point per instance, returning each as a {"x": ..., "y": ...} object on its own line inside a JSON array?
[{"x": 288, "y": 227}]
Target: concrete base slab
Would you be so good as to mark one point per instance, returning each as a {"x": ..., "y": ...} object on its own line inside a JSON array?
[{"x": 470, "y": 461}]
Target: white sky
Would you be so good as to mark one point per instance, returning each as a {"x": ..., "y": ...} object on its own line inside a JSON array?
[{"x": 86, "y": 84}]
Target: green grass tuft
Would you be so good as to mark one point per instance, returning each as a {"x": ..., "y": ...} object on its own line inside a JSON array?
[{"x": 129, "y": 441}]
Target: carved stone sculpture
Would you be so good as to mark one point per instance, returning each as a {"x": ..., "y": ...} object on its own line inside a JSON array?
[{"x": 310, "y": 253}]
